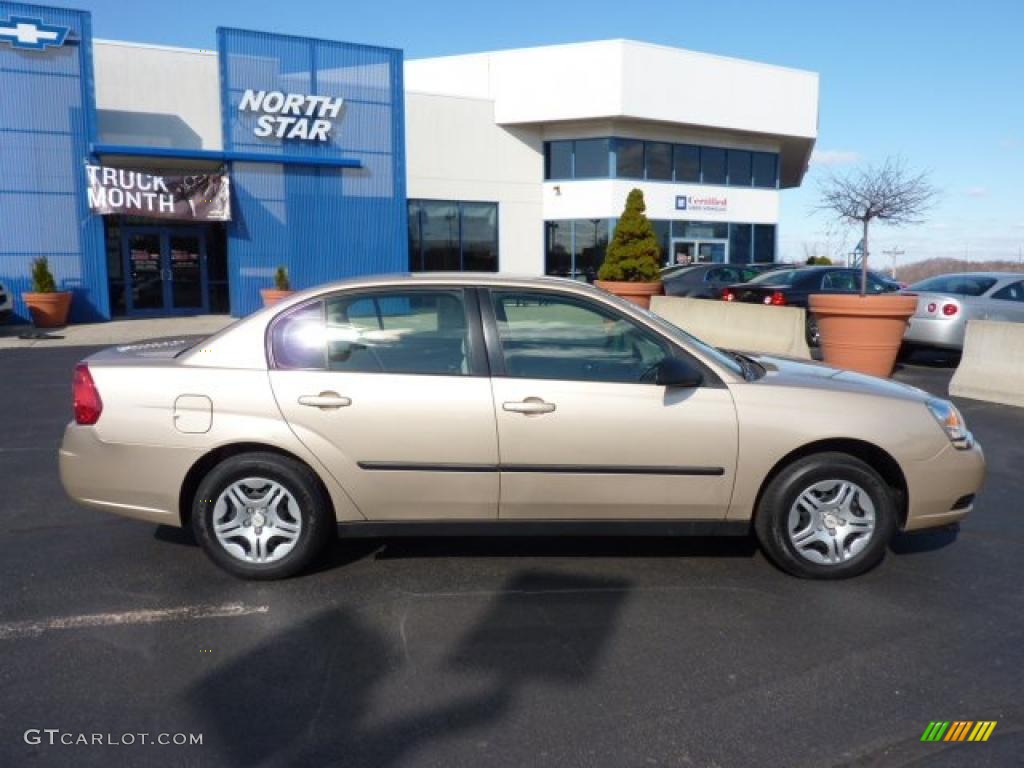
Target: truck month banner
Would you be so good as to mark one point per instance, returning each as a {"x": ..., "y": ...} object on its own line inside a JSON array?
[{"x": 196, "y": 197}]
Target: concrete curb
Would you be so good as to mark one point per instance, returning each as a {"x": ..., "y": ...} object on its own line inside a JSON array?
[
  {"x": 992, "y": 365},
  {"x": 733, "y": 325}
]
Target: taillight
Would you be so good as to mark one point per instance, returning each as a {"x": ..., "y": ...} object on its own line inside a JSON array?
[
  {"x": 777, "y": 299},
  {"x": 728, "y": 295},
  {"x": 950, "y": 309},
  {"x": 88, "y": 405}
]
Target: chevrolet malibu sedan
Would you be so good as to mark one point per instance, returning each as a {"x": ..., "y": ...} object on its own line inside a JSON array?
[{"x": 459, "y": 404}]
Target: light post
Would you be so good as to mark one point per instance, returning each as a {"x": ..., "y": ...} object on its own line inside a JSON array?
[{"x": 893, "y": 253}]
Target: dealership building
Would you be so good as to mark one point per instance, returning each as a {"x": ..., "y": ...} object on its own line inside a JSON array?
[{"x": 161, "y": 181}]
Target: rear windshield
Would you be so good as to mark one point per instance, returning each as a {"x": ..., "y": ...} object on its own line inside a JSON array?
[
  {"x": 776, "y": 277},
  {"x": 962, "y": 285}
]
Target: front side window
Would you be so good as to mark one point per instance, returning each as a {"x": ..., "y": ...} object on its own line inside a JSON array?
[
  {"x": 962, "y": 285},
  {"x": 544, "y": 336},
  {"x": 399, "y": 332}
]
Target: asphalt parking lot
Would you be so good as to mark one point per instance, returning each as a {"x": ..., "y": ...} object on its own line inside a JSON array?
[{"x": 514, "y": 652}]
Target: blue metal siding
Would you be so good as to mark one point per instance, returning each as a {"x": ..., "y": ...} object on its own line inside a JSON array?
[
  {"x": 47, "y": 120},
  {"x": 323, "y": 223}
]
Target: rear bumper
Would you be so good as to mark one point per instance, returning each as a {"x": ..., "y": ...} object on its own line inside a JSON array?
[
  {"x": 940, "y": 488},
  {"x": 933, "y": 332},
  {"x": 137, "y": 481}
]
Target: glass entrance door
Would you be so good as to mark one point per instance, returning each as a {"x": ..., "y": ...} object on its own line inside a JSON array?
[
  {"x": 700, "y": 251},
  {"x": 165, "y": 270}
]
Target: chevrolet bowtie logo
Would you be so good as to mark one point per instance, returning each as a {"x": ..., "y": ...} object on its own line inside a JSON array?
[{"x": 31, "y": 34}]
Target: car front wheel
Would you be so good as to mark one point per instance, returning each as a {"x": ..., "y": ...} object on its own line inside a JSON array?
[
  {"x": 826, "y": 516},
  {"x": 261, "y": 516}
]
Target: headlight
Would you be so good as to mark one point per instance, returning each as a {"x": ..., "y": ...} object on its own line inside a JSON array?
[{"x": 952, "y": 423}]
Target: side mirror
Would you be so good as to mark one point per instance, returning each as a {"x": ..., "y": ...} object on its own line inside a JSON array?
[{"x": 677, "y": 372}]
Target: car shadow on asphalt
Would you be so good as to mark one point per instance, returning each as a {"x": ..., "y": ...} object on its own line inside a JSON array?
[
  {"x": 924, "y": 541},
  {"x": 311, "y": 694}
]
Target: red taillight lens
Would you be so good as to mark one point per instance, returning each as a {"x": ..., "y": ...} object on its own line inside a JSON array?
[
  {"x": 728, "y": 295},
  {"x": 950, "y": 309},
  {"x": 88, "y": 405},
  {"x": 778, "y": 299}
]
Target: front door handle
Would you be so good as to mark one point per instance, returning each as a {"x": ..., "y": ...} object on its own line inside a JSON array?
[
  {"x": 325, "y": 400},
  {"x": 530, "y": 405}
]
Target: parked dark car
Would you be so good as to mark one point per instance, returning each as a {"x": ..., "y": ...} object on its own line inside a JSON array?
[
  {"x": 791, "y": 287},
  {"x": 706, "y": 281}
]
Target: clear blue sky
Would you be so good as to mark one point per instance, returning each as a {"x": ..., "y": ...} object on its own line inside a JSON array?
[{"x": 940, "y": 82}]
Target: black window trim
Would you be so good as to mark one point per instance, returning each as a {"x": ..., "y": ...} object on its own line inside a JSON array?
[
  {"x": 495, "y": 354},
  {"x": 476, "y": 353}
]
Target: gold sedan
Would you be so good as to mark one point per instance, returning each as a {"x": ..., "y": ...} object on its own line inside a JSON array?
[{"x": 466, "y": 404}]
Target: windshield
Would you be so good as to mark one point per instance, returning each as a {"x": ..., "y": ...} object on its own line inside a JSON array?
[{"x": 962, "y": 285}]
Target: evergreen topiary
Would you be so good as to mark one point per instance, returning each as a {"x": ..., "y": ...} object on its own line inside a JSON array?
[
  {"x": 633, "y": 253},
  {"x": 42, "y": 277},
  {"x": 281, "y": 280}
]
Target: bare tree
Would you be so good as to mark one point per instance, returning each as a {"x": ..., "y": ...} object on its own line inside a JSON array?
[{"x": 890, "y": 193}]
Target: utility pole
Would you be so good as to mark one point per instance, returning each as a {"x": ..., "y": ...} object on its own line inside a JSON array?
[{"x": 893, "y": 253}]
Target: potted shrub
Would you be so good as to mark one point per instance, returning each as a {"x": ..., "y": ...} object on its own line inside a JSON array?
[
  {"x": 48, "y": 307},
  {"x": 630, "y": 267},
  {"x": 282, "y": 288},
  {"x": 859, "y": 331}
]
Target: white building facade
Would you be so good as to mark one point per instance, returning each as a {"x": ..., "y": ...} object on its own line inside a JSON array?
[{"x": 554, "y": 138}]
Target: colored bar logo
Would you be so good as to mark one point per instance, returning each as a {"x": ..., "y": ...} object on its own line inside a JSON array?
[{"x": 958, "y": 730}]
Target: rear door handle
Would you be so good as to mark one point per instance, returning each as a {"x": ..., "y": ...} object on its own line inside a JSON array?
[
  {"x": 528, "y": 406},
  {"x": 326, "y": 400}
]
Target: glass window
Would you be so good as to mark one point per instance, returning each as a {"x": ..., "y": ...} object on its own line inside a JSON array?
[
  {"x": 591, "y": 242},
  {"x": 686, "y": 162},
  {"x": 1011, "y": 292},
  {"x": 297, "y": 338},
  {"x": 558, "y": 248},
  {"x": 545, "y": 336},
  {"x": 765, "y": 170},
  {"x": 629, "y": 159},
  {"x": 840, "y": 281},
  {"x": 410, "y": 332},
  {"x": 697, "y": 230},
  {"x": 739, "y": 243},
  {"x": 777, "y": 277},
  {"x": 479, "y": 237},
  {"x": 712, "y": 165},
  {"x": 658, "y": 161},
  {"x": 591, "y": 159},
  {"x": 415, "y": 238},
  {"x": 663, "y": 230},
  {"x": 739, "y": 168},
  {"x": 962, "y": 285},
  {"x": 558, "y": 160},
  {"x": 764, "y": 243},
  {"x": 440, "y": 236}
]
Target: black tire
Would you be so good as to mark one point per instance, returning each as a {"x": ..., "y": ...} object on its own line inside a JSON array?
[
  {"x": 905, "y": 353},
  {"x": 778, "y": 498},
  {"x": 310, "y": 504},
  {"x": 811, "y": 333}
]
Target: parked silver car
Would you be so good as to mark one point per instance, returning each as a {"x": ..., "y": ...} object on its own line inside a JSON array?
[{"x": 945, "y": 303}]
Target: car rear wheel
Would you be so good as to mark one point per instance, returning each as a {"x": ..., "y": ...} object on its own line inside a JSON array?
[
  {"x": 826, "y": 516},
  {"x": 811, "y": 331},
  {"x": 261, "y": 516}
]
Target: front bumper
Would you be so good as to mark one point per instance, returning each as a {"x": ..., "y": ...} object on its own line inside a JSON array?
[
  {"x": 137, "y": 481},
  {"x": 939, "y": 488},
  {"x": 935, "y": 332}
]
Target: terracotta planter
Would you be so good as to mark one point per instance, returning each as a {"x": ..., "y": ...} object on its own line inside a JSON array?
[
  {"x": 48, "y": 310},
  {"x": 638, "y": 293},
  {"x": 862, "y": 333},
  {"x": 272, "y": 295}
]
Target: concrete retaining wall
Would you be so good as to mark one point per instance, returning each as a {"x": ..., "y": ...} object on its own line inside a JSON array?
[
  {"x": 992, "y": 366},
  {"x": 734, "y": 325}
]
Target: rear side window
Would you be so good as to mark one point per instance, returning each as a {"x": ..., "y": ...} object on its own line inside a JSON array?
[
  {"x": 411, "y": 332},
  {"x": 840, "y": 282},
  {"x": 961, "y": 285},
  {"x": 776, "y": 277}
]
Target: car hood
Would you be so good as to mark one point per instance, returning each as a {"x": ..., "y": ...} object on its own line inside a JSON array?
[{"x": 791, "y": 372}]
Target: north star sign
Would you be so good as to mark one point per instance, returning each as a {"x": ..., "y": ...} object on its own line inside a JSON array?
[
  {"x": 31, "y": 34},
  {"x": 292, "y": 115}
]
